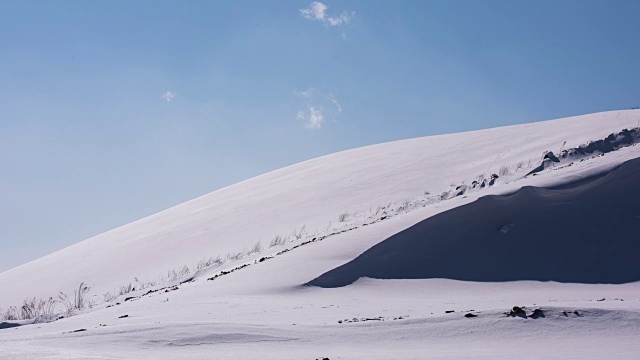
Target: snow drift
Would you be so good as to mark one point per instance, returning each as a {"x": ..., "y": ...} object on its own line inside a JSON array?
[
  {"x": 312, "y": 194},
  {"x": 583, "y": 232}
]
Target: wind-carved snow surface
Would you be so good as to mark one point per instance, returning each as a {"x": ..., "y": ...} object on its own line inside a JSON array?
[
  {"x": 262, "y": 239},
  {"x": 582, "y": 233}
]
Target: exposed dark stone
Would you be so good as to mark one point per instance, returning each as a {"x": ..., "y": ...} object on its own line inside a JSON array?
[
  {"x": 551, "y": 157},
  {"x": 8, "y": 325},
  {"x": 470, "y": 315},
  {"x": 537, "y": 313},
  {"x": 517, "y": 311}
]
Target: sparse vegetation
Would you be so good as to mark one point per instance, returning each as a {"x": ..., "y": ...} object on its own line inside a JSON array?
[
  {"x": 256, "y": 248},
  {"x": 79, "y": 301},
  {"x": 504, "y": 170},
  {"x": 209, "y": 262},
  {"x": 298, "y": 234},
  {"x": 343, "y": 217},
  {"x": 277, "y": 240},
  {"x": 10, "y": 314},
  {"x": 237, "y": 256}
]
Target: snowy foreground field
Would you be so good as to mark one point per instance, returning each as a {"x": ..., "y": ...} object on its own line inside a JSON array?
[{"x": 513, "y": 242}]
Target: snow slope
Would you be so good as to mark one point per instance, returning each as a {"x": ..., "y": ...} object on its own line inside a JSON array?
[
  {"x": 312, "y": 193},
  {"x": 581, "y": 232},
  {"x": 265, "y": 311}
]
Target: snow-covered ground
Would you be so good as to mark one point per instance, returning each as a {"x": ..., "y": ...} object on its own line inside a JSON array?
[{"x": 265, "y": 310}]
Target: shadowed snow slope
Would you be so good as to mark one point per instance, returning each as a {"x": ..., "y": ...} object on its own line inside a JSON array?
[
  {"x": 587, "y": 233},
  {"x": 311, "y": 193}
]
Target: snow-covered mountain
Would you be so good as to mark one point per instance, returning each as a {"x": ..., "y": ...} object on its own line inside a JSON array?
[{"x": 226, "y": 272}]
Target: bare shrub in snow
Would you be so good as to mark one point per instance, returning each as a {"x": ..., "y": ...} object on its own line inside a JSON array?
[
  {"x": 206, "y": 263},
  {"x": 109, "y": 296},
  {"x": 298, "y": 234},
  {"x": 66, "y": 303},
  {"x": 79, "y": 300},
  {"x": 237, "y": 256},
  {"x": 519, "y": 165},
  {"x": 504, "y": 170},
  {"x": 34, "y": 309},
  {"x": 143, "y": 284},
  {"x": 176, "y": 273},
  {"x": 184, "y": 271},
  {"x": 38, "y": 310},
  {"x": 256, "y": 248},
  {"x": 405, "y": 206},
  {"x": 343, "y": 217},
  {"x": 10, "y": 314},
  {"x": 378, "y": 210},
  {"x": 125, "y": 289},
  {"x": 80, "y": 296},
  {"x": 217, "y": 261},
  {"x": 277, "y": 240}
]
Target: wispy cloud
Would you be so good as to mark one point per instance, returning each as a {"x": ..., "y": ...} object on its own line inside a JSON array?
[
  {"x": 317, "y": 107},
  {"x": 305, "y": 93},
  {"x": 335, "y": 102},
  {"x": 313, "y": 117},
  {"x": 318, "y": 11},
  {"x": 168, "y": 96}
]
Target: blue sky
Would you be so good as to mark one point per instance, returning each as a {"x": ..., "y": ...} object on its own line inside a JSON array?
[{"x": 114, "y": 110}]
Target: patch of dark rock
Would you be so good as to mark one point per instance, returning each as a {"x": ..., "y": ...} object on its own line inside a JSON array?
[
  {"x": 123, "y": 316},
  {"x": 8, "y": 325},
  {"x": 537, "y": 313},
  {"x": 494, "y": 177},
  {"x": 449, "y": 311},
  {"x": 470, "y": 315},
  {"x": 577, "y": 313},
  {"x": 551, "y": 156},
  {"x": 129, "y": 298},
  {"x": 603, "y": 299},
  {"x": 517, "y": 311},
  {"x": 379, "y": 318}
]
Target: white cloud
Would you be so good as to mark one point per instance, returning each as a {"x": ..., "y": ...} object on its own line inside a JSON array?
[
  {"x": 168, "y": 96},
  {"x": 315, "y": 11},
  {"x": 316, "y": 107},
  {"x": 344, "y": 18},
  {"x": 313, "y": 116},
  {"x": 316, "y": 119},
  {"x": 305, "y": 93},
  {"x": 318, "y": 11},
  {"x": 335, "y": 102}
]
